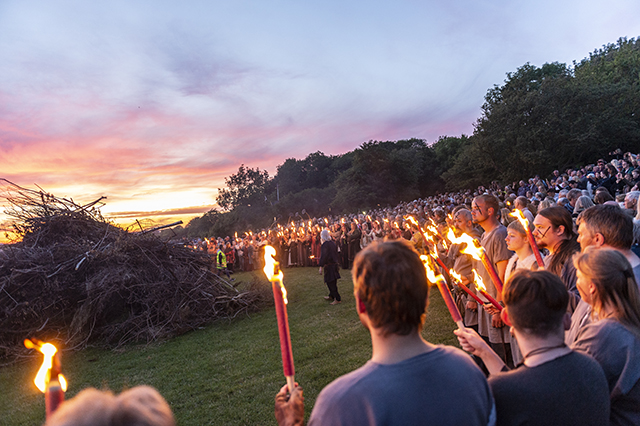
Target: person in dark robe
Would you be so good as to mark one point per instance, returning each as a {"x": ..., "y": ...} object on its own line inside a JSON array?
[{"x": 329, "y": 264}]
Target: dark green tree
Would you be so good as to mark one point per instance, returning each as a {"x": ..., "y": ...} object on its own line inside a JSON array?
[
  {"x": 381, "y": 173},
  {"x": 243, "y": 188}
]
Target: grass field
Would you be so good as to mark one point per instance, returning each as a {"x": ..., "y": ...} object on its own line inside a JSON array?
[{"x": 229, "y": 372}]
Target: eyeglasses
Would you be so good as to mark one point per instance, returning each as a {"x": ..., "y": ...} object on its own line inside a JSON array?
[{"x": 542, "y": 234}]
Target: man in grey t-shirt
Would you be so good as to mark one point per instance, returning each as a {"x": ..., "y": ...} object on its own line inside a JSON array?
[
  {"x": 485, "y": 211},
  {"x": 408, "y": 381}
]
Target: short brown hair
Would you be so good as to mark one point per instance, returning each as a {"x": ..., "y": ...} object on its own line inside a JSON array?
[
  {"x": 390, "y": 280},
  {"x": 490, "y": 201},
  {"x": 536, "y": 301},
  {"x": 517, "y": 226},
  {"x": 602, "y": 196},
  {"x": 615, "y": 226}
]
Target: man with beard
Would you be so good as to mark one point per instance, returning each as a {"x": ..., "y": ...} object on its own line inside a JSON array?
[{"x": 485, "y": 211}]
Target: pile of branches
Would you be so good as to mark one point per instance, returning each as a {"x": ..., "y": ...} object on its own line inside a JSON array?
[{"x": 77, "y": 279}]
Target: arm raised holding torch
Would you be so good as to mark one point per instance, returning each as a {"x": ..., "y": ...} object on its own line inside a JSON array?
[{"x": 274, "y": 274}]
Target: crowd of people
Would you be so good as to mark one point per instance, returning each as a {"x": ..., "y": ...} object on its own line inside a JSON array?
[{"x": 562, "y": 346}]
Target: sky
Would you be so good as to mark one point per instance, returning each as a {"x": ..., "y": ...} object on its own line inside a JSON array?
[{"x": 153, "y": 103}]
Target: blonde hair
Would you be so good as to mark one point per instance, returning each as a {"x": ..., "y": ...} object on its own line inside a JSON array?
[
  {"x": 615, "y": 283},
  {"x": 139, "y": 406}
]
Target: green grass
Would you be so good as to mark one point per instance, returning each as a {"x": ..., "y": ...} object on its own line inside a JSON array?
[{"x": 229, "y": 372}]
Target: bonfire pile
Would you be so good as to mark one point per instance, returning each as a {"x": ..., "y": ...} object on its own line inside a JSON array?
[{"x": 77, "y": 279}]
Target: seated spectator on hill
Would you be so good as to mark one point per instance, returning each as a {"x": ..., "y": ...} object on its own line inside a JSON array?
[
  {"x": 564, "y": 203},
  {"x": 592, "y": 183},
  {"x": 139, "y": 406},
  {"x": 573, "y": 196},
  {"x": 635, "y": 179},
  {"x": 631, "y": 202},
  {"x": 609, "y": 178},
  {"x": 522, "y": 189},
  {"x": 582, "y": 203},
  {"x": 636, "y": 237},
  {"x": 408, "y": 381},
  {"x": 547, "y": 202},
  {"x": 554, "y": 385},
  {"x": 522, "y": 203},
  {"x": 602, "y": 196}
]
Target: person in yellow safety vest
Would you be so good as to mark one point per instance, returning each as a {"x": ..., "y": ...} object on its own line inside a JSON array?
[{"x": 221, "y": 262}]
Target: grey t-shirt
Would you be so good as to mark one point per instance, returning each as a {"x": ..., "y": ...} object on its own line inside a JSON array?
[
  {"x": 497, "y": 251},
  {"x": 440, "y": 387},
  {"x": 617, "y": 350}
]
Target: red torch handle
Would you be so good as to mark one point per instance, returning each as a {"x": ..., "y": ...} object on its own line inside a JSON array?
[
  {"x": 283, "y": 330},
  {"x": 493, "y": 301},
  {"x": 448, "y": 300},
  {"x": 470, "y": 293},
  {"x": 497, "y": 282},
  {"x": 534, "y": 247},
  {"x": 441, "y": 263},
  {"x": 53, "y": 396}
]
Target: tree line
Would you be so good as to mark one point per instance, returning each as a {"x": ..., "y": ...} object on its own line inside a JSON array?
[{"x": 542, "y": 118}]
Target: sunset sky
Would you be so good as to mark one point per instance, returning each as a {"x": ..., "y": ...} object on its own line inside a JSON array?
[{"x": 153, "y": 103}]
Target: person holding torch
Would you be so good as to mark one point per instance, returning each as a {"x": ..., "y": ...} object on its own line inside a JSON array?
[
  {"x": 408, "y": 381},
  {"x": 463, "y": 264},
  {"x": 485, "y": 211}
]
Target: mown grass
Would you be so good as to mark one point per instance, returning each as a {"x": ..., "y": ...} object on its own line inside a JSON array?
[{"x": 229, "y": 372}]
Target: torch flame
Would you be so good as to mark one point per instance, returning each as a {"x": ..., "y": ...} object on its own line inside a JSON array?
[
  {"x": 477, "y": 279},
  {"x": 456, "y": 276},
  {"x": 472, "y": 249},
  {"x": 412, "y": 220},
  {"x": 520, "y": 216},
  {"x": 431, "y": 275},
  {"x": 42, "y": 378},
  {"x": 270, "y": 268},
  {"x": 432, "y": 229}
]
